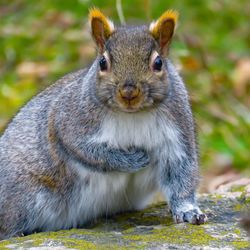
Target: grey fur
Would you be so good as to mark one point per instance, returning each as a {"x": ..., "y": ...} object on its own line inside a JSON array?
[{"x": 51, "y": 139}]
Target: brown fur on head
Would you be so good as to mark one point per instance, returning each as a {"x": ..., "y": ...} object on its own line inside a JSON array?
[{"x": 130, "y": 76}]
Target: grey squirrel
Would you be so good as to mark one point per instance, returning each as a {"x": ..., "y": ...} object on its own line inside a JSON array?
[{"x": 103, "y": 139}]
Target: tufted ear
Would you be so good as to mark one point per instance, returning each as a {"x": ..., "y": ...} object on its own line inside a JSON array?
[
  {"x": 163, "y": 29},
  {"x": 101, "y": 27}
]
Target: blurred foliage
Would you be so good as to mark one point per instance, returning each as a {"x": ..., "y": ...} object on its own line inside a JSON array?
[{"x": 41, "y": 41}]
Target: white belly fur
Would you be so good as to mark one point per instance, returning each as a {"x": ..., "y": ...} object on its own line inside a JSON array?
[{"x": 114, "y": 192}]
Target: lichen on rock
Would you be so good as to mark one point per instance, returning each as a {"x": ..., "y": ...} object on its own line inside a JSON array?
[{"x": 152, "y": 228}]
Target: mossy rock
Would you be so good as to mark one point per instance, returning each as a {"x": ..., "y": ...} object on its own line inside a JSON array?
[{"x": 151, "y": 229}]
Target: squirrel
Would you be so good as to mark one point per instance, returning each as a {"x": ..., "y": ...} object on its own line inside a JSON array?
[{"x": 104, "y": 139}]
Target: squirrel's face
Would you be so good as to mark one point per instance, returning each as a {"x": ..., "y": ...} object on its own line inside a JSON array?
[{"x": 132, "y": 73}]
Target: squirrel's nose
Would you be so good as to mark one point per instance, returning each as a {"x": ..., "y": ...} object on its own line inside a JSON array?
[{"x": 129, "y": 90}]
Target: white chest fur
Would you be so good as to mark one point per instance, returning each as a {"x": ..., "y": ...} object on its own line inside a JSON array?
[{"x": 146, "y": 130}]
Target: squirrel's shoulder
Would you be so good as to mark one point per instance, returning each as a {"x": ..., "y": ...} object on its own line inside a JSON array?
[
  {"x": 38, "y": 105},
  {"x": 64, "y": 81},
  {"x": 51, "y": 92}
]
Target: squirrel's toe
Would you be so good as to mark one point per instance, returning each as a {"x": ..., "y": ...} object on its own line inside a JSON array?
[{"x": 193, "y": 216}]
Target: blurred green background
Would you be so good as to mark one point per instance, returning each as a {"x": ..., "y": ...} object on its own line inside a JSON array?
[{"x": 41, "y": 41}]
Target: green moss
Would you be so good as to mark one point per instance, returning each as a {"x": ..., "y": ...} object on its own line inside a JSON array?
[
  {"x": 133, "y": 237},
  {"x": 238, "y": 188},
  {"x": 31, "y": 240},
  {"x": 245, "y": 198},
  {"x": 237, "y": 231},
  {"x": 4, "y": 243},
  {"x": 63, "y": 237},
  {"x": 188, "y": 234},
  {"x": 147, "y": 217},
  {"x": 238, "y": 207},
  {"x": 241, "y": 244},
  {"x": 214, "y": 197},
  {"x": 174, "y": 234},
  {"x": 218, "y": 196}
]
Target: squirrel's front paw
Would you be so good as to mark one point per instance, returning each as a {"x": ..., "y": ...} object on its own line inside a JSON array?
[
  {"x": 130, "y": 160},
  {"x": 193, "y": 216}
]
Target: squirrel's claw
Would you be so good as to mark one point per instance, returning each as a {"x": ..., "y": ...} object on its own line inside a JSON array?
[{"x": 192, "y": 216}]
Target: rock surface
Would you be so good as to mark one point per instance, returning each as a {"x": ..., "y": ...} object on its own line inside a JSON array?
[{"x": 153, "y": 229}]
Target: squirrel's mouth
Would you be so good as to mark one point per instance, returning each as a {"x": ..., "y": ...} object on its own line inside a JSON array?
[{"x": 130, "y": 101}]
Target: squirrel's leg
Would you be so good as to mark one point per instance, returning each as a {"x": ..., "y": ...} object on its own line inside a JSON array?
[
  {"x": 141, "y": 188},
  {"x": 179, "y": 180},
  {"x": 13, "y": 216}
]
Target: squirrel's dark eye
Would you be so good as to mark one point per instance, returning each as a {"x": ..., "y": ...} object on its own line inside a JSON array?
[
  {"x": 103, "y": 64},
  {"x": 157, "y": 64}
]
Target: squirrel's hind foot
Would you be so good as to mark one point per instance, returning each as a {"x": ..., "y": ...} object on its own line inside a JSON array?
[{"x": 194, "y": 216}]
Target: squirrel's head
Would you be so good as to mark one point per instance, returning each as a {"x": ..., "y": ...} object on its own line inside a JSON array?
[{"x": 132, "y": 73}]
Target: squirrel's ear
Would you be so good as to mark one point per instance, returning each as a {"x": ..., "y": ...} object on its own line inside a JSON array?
[
  {"x": 163, "y": 29},
  {"x": 101, "y": 27}
]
